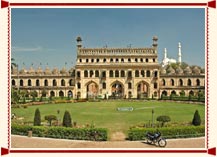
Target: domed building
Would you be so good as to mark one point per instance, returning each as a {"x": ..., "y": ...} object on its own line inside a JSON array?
[{"x": 113, "y": 73}]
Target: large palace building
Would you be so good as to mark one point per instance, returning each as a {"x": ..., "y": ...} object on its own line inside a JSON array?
[{"x": 113, "y": 73}]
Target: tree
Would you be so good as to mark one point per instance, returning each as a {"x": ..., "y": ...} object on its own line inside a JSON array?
[
  {"x": 163, "y": 119},
  {"x": 33, "y": 94},
  {"x": 67, "y": 121},
  {"x": 196, "y": 120},
  {"x": 13, "y": 64},
  {"x": 15, "y": 96},
  {"x": 37, "y": 118},
  {"x": 50, "y": 118}
]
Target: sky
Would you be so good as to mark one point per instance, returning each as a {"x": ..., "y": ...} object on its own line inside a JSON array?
[{"x": 47, "y": 37}]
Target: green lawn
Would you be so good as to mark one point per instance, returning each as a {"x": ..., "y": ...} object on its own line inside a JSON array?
[{"x": 105, "y": 114}]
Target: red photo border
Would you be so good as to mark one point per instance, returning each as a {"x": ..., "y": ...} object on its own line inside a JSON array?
[{"x": 211, "y": 4}]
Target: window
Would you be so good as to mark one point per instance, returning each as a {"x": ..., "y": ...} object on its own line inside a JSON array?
[
  {"x": 129, "y": 74},
  {"x": 85, "y": 73},
  {"x": 172, "y": 82},
  {"x": 155, "y": 74},
  {"x": 146, "y": 60},
  {"x": 78, "y": 74},
  {"x": 87, "y": 60},
  {"x": 155, "y": 85},
  {"x": 29, "y": 83},
  {"x": 104, "y": 85},
  {"x": 143, "y": 73},
  {"x": 111, "y": 73},
  {"x": 80, "y": 60},
  {"x": 180, "y": 82},
  {"x": 116, "y": 73},
  {"x": 71, "y": 82},
  {"x": 153, "y": 59},
  {"x": 141, "y": 59},
  {"x": 79, "y": 85},
  {"x": 122, "y": 73},
  {"x": 97, "y": 60},
  {"x": 61, "y": 94},
  {"x": 163, "y": 82},
  {"x": 122, "y": 60},
  {"x": 104, "y": 60},
  {"x": 116, "y": 60},
  {"x": 136, "y": 60},
  {"x": 13, "y": 83},
  {"x": 103, "y": 74},
  {"x": 97, "y": 73},
  {"x": 111, "y": 60},
  {"x": 155, "y": 94},
  {"x": 148, "y": 74},
  {"x": 129, "y": 85},
  {"x": 92, "y": 60},
  {"x": 91, "y": 73},
  {"x": 37, "y": 83},
  {"x": 54, "y": 83},
  {"x": 189, "y": 82},
  {"x": 137, "y": 73},
  {"x": 63, "y": 82},
  {"x": 129, "y": 60},
  {"x": 198, "y": 82},
  {"x": 45, "y": 83}
]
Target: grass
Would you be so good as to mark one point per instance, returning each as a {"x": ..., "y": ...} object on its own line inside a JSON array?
[{"x": 105, "y": 114}]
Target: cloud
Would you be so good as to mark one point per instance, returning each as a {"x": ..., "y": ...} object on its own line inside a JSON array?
[{"x": 26, "y": 49}]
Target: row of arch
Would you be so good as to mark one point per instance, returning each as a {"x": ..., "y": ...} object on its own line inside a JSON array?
[
  {"x": 117, "y": 60},
  {"x": 46, "y": 82},
  {"x": 166, "y": 93},
  {"x": 121, "y": 73},
  {"x": 180, "y": 82}
]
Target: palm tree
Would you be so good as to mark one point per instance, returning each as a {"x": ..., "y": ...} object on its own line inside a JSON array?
[{"x": 13, "y": 64}]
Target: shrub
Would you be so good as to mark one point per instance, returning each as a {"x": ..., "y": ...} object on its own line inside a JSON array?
[
  {"x": 196, "y": 120},
  {"x": 167, "y": 132},
  {"x": 37, "y": 118},
  {"x": 163, "y": 119},
  {"x": 50, "y": 118},
  {"x": 95, "y": 134},
  {"x": 67, "y": 121}
]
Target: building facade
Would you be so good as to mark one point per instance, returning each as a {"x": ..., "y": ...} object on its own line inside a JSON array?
[{"x": 112, "y": 73}]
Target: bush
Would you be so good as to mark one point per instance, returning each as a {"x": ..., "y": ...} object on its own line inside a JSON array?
[
  {"x": 50, "y": 118},
  {"x": 94, "y": 134},
  {"x": 37, "y": 118},
  {"x": 163, "y": 119},
  {"x": 67, "y": 121},
  {"x": 196, "y": 120},
  {"x": 168, "y": 132}
]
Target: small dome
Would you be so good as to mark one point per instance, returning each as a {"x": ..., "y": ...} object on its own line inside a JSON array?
[
  {"x": 39, "y": 70},
  {"x": 179, "y": 70},
  {"x": 55, "y": 71},
  {"x": 187, "y": 70},
  {"x": 47, "y": 70},
  {"x": 202, "y": 71},
  {"x": 23, "y": 71},
  {"x": 155, "y": 38},
  {"x": 14, "y": 70},
  {"x": 78, "y": 39},
  {"x": 163, "y": 71},
  {"x": 170, "y": 70},
  {"x": 71, "y": 70},
  {"x": 63, "y": 71},
  {"x": 196, "y": 70},
  {"x": 31, "y": 70}
]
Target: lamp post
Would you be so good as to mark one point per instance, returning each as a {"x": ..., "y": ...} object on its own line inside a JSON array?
[{"x": 152, "y": 117}]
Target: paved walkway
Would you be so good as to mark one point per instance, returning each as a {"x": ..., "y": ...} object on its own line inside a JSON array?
[{"x": 35, "y": 142}]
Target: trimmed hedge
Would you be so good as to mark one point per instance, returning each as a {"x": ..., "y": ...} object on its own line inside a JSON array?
[
  {"x": 135, "y": 134},
  {"x": 93, "y": 134}
]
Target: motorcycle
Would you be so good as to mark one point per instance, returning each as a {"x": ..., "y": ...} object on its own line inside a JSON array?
[{"x": 156, "y": 138}]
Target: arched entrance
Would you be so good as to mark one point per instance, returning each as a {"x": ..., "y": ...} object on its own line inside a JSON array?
[
  {"x": 117, "y": 90},
  {"x": 92, "y": 89},
  {"x": 142, "y": 90}
]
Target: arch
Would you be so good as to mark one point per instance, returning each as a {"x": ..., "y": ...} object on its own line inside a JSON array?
[
  {"x": 117, "y": 89},
  {"x": 37, "y": 82},
  {"x": 189, "y": 82},
  {"x": 172, "y": 82},
  {"x": 70, "y": 94},
  {"x": 155, "y": 73},
  {"x": 180, "y": 82},
  {"x": 63, "y": 83},
  {"x": 61, "y": 93},
  {"x": 137, "y": 73},
  {"x": 13, "y": 82},
  {"x": 164, "y": 93},
  {"x": 29, "y": 82},
  {"x": 71, "y": 82},
  {"x": 85, "y": 73},
  {"x": 130, "y": 94},
  {"x": 46, "y": 82},
  {"x": 143, "y": 73},
  {"x": 163, "y": 82},
  {"x": 198, "y": 82},
  {"x": 54, "y": 82},
  {"x": 173, "y": 92},
  {"x": 92, "y": 89},
  {"x": 142, "y": 89},
  {"x": 52, "y": 93},
  {"x": 191, "y": 93},
  {"x": 91, "y": 73}
]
